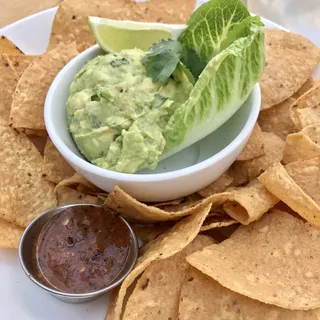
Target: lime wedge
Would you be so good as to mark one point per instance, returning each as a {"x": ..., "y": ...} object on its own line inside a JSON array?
[{"x": 117, "y": 35}]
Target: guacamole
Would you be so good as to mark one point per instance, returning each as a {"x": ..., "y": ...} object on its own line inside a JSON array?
[{"x": 117, "y": 115}]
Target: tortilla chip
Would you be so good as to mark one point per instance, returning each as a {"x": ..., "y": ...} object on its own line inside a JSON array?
[
  {"x": 10, "y": 71},
  {"x": 276, "y": 261},
  {"x": 306, "y": 110},
  {"x": 305, "y": 87},
  {"x": 254, "y": 147},
  {"x": 216, "y": 186},
  {"x": 243, "y": 204},
  {"x": 68, "y": 195},
  {"x": 157, "y": 293},
  {"x": 297, "y": 185},
  {"x": 249, "y": 203},
  {"x": 8, "y": 81},
  {"x": 244, "y": 171},
  {"x": 70, "y": 23},
  {"x": 163, "y": 247},
  {"x": 6, "y": 46},
  {"x": 277, "y": 119},
  {"x": 290, "y": 61},
  {"x": 10, "y": 234},
  {"x": 133, "y": 210},
  {"x": 203, "y": 298},
  {"x": 29, "y": 96},
  {"x": 300, "y": 146},
  {"x": 21, "y": 62},
  {"x": 76, "y": 181},
  {"x": 55, "y": 168},
  {"x": 24, "y": 194}
]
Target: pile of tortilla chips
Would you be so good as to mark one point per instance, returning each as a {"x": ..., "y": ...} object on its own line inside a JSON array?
[
  {"x": 244, "y": 247},
  {"x": 204, "y": 266},
  {"x": 34, "y": 176}
]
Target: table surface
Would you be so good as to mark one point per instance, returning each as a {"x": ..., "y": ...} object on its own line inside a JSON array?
[{"x": 13, "y": 10}]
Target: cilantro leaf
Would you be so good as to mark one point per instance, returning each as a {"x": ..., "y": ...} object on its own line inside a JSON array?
[{"x": 162, "y": 60}]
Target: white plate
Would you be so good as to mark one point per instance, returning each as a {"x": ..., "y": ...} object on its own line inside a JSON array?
[{"x": 20, "y": 299}]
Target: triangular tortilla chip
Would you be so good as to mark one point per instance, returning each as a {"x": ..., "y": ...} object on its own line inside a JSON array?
[
  {"x": 156, "y": 294},
  {"x": 203, "y": 298},
  {"x": 274, "y": 260},
  {"x": 70, "y": 23},
  {"x": 290, "y": 61},
  {"x": 28, "y": 99},
  {"x": 163, "y": 247},
  {"x": 24, "y": 194},
  {"x": 297, "y": 185}
]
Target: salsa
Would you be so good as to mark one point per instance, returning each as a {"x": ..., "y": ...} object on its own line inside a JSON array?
[{"x": 82, "y": 249}]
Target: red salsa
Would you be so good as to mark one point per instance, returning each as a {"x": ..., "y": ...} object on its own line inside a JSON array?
[{"x": 82, "y": 249}]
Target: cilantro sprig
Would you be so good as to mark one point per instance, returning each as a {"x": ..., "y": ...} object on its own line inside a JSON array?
[{"x": 163, "y": 58}]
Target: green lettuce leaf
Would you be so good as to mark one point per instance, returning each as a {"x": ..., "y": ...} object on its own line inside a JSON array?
[
  {"x": 220, "y": 91},
  {"x": 209, "y": 26},
  {"x": 240, "y": 30}
]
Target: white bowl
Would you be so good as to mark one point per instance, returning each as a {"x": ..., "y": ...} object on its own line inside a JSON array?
[{"x": 179, "y": 175}]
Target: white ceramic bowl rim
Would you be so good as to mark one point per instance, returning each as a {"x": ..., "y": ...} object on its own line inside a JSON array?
[{"x": 87, "y": 166}]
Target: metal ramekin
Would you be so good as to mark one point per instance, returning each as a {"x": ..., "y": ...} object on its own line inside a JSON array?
[{"x": 31, "y": 234}]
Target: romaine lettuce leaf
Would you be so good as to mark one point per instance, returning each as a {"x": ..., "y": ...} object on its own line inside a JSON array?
[
  {"x": 221, "y": 89},
  {"x": 210, "y": 24}
]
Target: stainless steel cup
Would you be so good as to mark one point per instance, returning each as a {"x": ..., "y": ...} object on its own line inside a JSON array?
[{"x": 26, "y": 247}]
